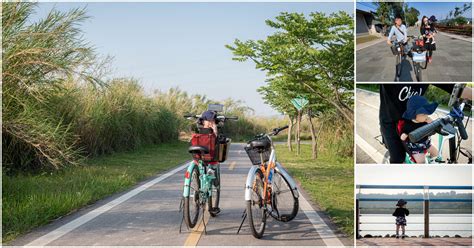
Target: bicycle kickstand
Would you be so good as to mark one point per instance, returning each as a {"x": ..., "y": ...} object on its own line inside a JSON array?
[
  {"x": 203, "y": 221},
  {"x": 244, "y": 216},
  {"x": 181, "y": 204}
]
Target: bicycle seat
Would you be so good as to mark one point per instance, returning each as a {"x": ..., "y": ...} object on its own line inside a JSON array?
[
  {"x": 260, "y": 144},
  {"x": 198, "y": 149}
]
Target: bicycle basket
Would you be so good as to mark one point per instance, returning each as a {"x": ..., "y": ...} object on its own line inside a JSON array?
[
  {"x": 254, "y": 154},
  {"x": 223, "y": 149},
  {"x": 419, "y": 57},
  {"x": 394, "y": 49}
]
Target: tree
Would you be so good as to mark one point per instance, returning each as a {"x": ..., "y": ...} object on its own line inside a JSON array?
[
  {"x": 316, "y": 54},
  {"x": 411, "y": 15},
  {"x": 306, "y": 57},
  {"x": 383, "y": 14}
]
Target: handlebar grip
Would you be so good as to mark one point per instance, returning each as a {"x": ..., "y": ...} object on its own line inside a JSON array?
[
  {"x": 424, "y": 131},
  {"x": 188, "y": 115},
  {"x": 283, "y": 128},
  {"x": 232, "y": 118},
  {"x": 462, "y": 129}
]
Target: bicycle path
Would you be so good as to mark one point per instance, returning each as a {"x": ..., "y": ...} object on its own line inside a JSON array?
[
  {"x": 148, "y": 215},
  {"x": 452, "y": 62},
  {"x": 369, "y": 149}
]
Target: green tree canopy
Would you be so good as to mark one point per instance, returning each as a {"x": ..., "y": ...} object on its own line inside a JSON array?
[{"x": 305, "y": 56}]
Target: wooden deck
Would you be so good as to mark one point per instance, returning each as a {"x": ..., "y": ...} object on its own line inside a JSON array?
[{"x": 414, "y": 242}]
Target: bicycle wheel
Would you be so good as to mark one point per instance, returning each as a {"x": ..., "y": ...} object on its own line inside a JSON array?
[
  {"x": 418, "y": 73},
  {"x": 285, "y": 204},
  {"x": 256, "y": 212},
  {"x": 213, "y": 201},
  {"x": 192, "y": 202},
  {"x": 386, "y": 158},
  {"x": 398, "y": 67}
]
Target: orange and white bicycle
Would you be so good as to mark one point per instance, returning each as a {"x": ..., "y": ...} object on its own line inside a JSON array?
[{"x": 269, "y": 189}]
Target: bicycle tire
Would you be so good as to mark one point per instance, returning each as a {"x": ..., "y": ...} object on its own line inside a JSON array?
[
  {"x": 257, "y": 232},
  {"x": 213, "y": 201},
  {"x": 418, "y": 72},
  {"x": 277, "y": 213},
  {"x": 398, "y": 67},
  {"x": 386, "y": 158},
  {"x": 191, "y": 219}
]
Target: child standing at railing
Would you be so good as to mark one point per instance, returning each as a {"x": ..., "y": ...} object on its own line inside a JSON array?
[{"x": 400, "y": 213}]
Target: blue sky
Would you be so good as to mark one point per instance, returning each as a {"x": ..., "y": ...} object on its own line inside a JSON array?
[
  {"x": 438, "y": 9},
  {"x": 182, "y": 44}
]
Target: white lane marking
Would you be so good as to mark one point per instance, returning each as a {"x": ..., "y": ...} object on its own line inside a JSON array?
[
  {"x": 368, "y": 104},
  {"x": 323, "y": 230},
  {"x": 70, "y": 226},
  {"x": 367, "y": 148}
]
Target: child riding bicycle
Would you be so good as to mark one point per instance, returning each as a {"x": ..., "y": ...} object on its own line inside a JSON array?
[{"x": 416, "y": 116}]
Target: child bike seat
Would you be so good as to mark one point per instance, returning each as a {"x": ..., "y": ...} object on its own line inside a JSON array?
[
  {"x": 198, "y": 149},
  {"x": 261, "y": 144}
]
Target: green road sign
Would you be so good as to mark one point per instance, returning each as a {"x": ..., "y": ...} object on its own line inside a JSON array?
[{"x": 299, "y": 102}]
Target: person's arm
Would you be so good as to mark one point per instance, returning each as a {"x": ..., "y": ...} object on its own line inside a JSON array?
[
  {"x": 389, "y": 37},
  {"x": 407, "y": 212},
  {"x": 405, "y": 32},
  {"x": 466, "y": 93}
]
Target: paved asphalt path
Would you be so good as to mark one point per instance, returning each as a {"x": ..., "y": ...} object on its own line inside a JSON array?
[
  {"x": 368, "y": 149},
  {"x": 452, "y": 62},
  {"x": 148, "y": 215}
]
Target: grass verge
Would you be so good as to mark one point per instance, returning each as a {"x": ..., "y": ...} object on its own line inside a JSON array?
[
  {"x": 329, "y": 180},
  {"x": 30, "y": 201},
  {"x": 366, "y": 38}
]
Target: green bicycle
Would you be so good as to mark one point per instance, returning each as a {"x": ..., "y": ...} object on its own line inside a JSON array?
[{"x": 202, "y": 177}]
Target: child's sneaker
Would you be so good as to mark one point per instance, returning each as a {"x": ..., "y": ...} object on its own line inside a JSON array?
[
  {"x": 403, "y": 236},
  {"x": 397, "y": 237}
]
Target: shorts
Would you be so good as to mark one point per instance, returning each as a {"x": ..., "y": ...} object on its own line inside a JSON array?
[
  {"x": 417, "y": 148},
  {"x": 401, "y": 221}
]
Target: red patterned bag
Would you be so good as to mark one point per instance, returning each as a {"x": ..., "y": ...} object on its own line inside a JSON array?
[{"x": 208, "y": 141}]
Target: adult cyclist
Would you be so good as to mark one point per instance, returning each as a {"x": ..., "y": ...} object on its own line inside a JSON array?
[
  {"x": 393, "y": 103},
  {"x": 399, "y": 30}
]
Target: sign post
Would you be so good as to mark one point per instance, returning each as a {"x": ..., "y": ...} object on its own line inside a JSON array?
[{"x": 299, "y": 103}]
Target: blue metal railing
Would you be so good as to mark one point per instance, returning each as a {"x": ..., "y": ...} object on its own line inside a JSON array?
[{"x": 426, "y": 203}]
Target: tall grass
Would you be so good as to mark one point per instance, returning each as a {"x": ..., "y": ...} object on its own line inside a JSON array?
[
  {"x": 57, "y": 110},
  {"x": 37, "y": 58}
]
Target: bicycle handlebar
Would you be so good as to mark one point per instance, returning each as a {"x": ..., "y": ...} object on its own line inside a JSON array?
[
  {"x": 219, "y": 117},
  {"x": 277, "y": 130},
  {"x": 426, "y": 130},
  {"x": 462, "y": 129}
]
